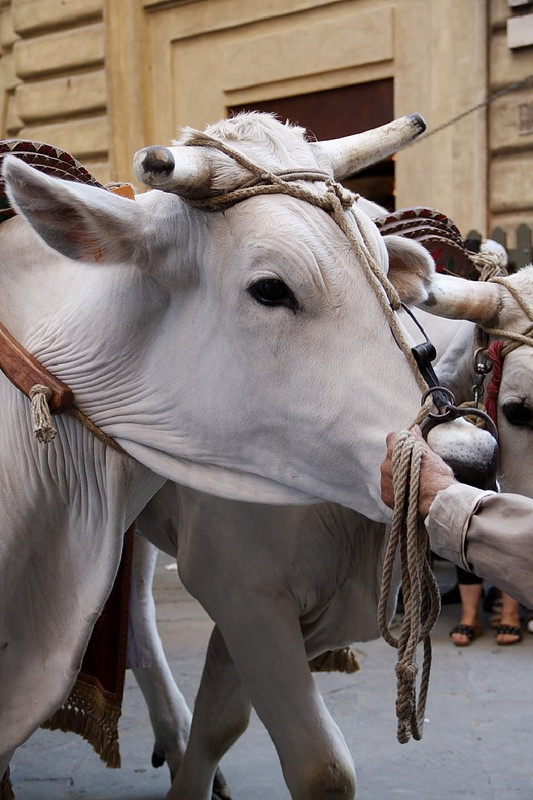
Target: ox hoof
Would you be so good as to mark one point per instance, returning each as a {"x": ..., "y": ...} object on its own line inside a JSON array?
[
  {"x": 158, "y": 759},
  {"x": 220, "y": 787}
]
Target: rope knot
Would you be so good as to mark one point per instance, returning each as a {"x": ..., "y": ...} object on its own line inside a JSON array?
[
  {"x": 43, "y": 428},
  {"x": 406, "y": 673},
  {"x": 344, "y": 196}
]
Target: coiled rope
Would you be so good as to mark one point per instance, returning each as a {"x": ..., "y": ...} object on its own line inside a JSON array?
[{"x": 421, "y": 596}]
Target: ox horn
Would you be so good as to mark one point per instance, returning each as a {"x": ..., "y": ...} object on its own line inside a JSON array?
[
  {"x": 186, "y": 170},
  {"x": 458, "y": 298},
  {"x": 351, "y": 154},
  {"x": 190, "y": 175}
]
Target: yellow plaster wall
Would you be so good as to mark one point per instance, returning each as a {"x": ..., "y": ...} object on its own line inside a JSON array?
[
  {"x": 254, "y": 51},
  {"x": 102, "y": 78},
  {"x": 54, "y": 60},
  {"x": 511, "y": 147},
  {"x": 441, "y": 71}
]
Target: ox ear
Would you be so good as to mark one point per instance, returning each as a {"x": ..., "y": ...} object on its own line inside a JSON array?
[
  {"x": 81, "y": 222},
  {"x": 411, "y": 269}
]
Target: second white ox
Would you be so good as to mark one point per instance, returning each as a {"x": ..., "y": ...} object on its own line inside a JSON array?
[{"x": 239, "y": 353}]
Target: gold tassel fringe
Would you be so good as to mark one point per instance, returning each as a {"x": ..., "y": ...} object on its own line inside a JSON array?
[
  {"x": 93, "y": 717},
  {"x": 344, "y": 660}
]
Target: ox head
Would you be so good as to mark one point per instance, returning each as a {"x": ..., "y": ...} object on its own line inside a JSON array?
[
  {"x": 503, "y": 309},
  {"x": 240, "y": 352}
]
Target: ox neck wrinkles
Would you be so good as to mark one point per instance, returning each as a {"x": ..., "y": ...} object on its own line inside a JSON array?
[{"x": 336, "y": 201}]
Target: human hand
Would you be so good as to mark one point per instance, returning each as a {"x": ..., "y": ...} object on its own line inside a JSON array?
[{"x": 435, "y": 474}]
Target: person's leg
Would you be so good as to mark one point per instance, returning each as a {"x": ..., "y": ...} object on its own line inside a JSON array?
[
  {"x": 470, "y": 626},
  {"x": 509, "y": 629},
  {"x": 528, "y": 618}
]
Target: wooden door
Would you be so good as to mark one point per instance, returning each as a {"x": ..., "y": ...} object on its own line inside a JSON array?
[{"x": 333, "y": 113}]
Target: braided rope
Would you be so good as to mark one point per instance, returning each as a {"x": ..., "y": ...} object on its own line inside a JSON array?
[
  {"x": 506, "y": 342},
  {"x": 526, "y": 307},
  {"x": 514, "y": 339},
  {"x": 510, "y": 87},
  {"x": 490, "y": 265},
  {"x": 421, "y": 595}
]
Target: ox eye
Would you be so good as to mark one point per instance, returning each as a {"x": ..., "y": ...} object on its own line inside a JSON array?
[
  {"x": 273, "y": 292},
  {"x": 517, "y": 413}
]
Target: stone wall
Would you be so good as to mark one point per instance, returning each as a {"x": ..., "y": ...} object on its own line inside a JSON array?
[
  {"x": 102, "y": 78},
  {"x": 55, "y": 81},
  {"x": 510, "y": 140}
]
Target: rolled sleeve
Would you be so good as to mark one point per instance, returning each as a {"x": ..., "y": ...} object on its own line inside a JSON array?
[
  {"x": 487, "y": 533},
  {"x": 448, "y": 520}
]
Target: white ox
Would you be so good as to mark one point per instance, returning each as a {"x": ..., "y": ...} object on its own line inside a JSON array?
[
  {"x": 284, "y": 584},
  {"x": 272, "y": 577},
  {"x": 493, "y": 306},
  {"x": 228, "y": 352}
]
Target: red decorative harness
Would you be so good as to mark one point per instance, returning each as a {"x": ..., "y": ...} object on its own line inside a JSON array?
[{"x": 493, "y": 389}]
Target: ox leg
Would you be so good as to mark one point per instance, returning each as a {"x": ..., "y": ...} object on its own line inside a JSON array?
[
  {"x": 169, "y": 713},
  {"x": 265, "y": 642},
  {"x": 221, "y": 715}
]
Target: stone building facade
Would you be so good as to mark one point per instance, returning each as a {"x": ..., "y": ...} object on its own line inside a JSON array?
[{"x": 102, "y": 78}]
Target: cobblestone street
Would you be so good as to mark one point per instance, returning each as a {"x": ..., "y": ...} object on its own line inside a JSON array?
[{"x": 477, "y": 739}]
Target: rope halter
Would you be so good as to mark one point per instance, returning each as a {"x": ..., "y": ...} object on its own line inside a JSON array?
[
  {"x": 421, "y": 595},
  {"x": 336, "y": 201}
]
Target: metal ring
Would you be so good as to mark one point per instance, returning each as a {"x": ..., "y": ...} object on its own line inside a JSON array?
[
  {"x": 443, "y": 389},
  {"x": 453, "y": 412},
  {"x": 445, "y": 415},
  {"x": 482, "y": 367}
]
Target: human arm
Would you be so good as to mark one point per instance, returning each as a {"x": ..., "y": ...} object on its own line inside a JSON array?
[
  {"x": 484, "y": 532},
  {"x": 487, "y": 533}
]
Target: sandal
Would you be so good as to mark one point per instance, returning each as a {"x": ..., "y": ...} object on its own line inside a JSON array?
[
  {"x": 471, "y": 632},
  {"x": 508, "y": 630}
]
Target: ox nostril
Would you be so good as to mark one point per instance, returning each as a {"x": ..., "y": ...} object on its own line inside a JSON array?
[
  {"x": 158, "y": 161},
  {"x": 517, "y": 413}
]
